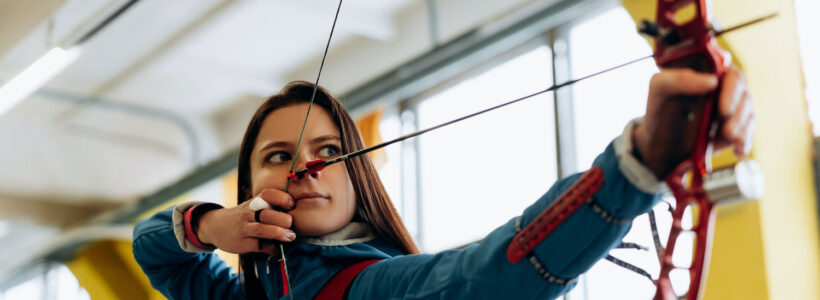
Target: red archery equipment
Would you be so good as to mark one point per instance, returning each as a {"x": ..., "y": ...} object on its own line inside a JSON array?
[
  {"x": 336, "y": 288},
  {"x": 691, "y": 45},
  {"x": 311, "y": 167},
  {"x": 579, "y": 193},
  {"x": 283, "y": 272}
]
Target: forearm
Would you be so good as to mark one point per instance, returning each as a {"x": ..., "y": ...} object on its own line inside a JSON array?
[
  {"x": 175, "y": 272},
  {"x": 599, "y": 225}
]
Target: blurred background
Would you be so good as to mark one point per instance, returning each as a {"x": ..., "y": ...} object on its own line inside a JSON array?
[{"x": 111, "y": 110}]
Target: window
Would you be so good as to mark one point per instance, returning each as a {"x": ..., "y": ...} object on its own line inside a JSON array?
[
  {"x": 457, "y": 184},
  {"x": 604, "y": 104},
  {"x": 56, "y": 282},
  {"x": 809, "y": 48},
  {"x": 495, "y": 164}
]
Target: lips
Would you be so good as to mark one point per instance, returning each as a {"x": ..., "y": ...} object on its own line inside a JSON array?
[{"x": 309, "y": 195}]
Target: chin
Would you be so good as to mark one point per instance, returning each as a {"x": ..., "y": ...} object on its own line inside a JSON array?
[{"x": 313, "y": 222}]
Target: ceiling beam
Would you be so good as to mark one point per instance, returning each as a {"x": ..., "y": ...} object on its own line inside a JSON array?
[{"x": 50, "y": 212}]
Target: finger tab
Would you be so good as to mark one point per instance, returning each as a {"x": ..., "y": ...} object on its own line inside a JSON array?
[{"x": 258, "y": 204}]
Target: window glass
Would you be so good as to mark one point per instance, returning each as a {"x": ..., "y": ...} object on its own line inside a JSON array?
[
  {"x": 30, "y": 289},
  {"x": 390, "y": 172},
  {"x": 807, "y": 24},
  {"x": 57, "y": 282},
  {"x": 478, "y": 174},
  {"x": 603, "y": 105}
]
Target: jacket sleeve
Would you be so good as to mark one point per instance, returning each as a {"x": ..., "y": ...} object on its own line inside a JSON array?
[
  {"x": 482, "y": 270},
  {"x": 177, "y": 273}
]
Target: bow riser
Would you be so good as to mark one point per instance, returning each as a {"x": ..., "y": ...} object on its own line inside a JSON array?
[{"x": 690, "y": 45}]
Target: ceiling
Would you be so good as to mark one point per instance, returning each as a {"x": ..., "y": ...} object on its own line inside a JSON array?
[
  {"x": 167, "y": 86},
  {"x": 185, "y": 60}
]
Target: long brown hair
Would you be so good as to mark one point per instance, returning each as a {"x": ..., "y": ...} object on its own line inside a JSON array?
[{"x": 373, "y": 205}]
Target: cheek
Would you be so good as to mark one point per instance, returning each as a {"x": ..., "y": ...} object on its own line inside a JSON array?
[
  {"x": 344, "y": 188},
  {"x": 351, "y": 196},
  {"x": 263, "y": 179}
]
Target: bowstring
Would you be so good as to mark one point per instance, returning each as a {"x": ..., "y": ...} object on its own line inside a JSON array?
[
  {"x": 302, "y": 133},
  {"x": 313, "y": 94}
]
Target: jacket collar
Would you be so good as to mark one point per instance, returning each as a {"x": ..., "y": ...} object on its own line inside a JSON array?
[{"x": 353, "y": 232}]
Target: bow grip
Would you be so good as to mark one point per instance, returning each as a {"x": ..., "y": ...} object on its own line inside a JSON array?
[{"x": 684, "y": 123}]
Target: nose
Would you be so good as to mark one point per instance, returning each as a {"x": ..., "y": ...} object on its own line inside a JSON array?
[{"x": 313, "y": 167}]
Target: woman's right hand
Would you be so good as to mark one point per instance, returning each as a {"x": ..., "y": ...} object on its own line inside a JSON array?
[{"x": 235, "y": 229}]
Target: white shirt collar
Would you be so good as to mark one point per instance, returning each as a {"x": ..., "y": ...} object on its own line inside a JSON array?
[{"x": 353, "y": 232}]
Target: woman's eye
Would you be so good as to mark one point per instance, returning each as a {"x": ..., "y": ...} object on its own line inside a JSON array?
[
  {"x": 329, "y": 151},
  {"x": 279, "y": 157}
]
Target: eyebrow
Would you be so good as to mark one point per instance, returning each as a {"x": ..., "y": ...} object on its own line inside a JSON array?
[
  {"x": 324, "y": 138},
  {"x": 283, "y": 144}
]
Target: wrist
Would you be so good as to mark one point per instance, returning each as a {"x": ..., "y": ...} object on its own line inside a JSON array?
[
  {"x": 192, "y": 219},
  {"x": 202, "y": 226}
]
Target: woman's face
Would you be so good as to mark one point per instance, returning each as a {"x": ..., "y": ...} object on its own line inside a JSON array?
[{"x": 325, "y": 201}]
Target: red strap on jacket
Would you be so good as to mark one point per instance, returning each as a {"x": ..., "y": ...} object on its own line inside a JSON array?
[
  {"x": 572, "y": 199},
  {"x": 337, "y": 286}
]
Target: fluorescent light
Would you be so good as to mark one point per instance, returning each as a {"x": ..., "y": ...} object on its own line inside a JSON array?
[{"x": 35, "y": 76}]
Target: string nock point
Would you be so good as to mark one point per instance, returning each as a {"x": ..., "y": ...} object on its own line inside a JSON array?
[{"x": 311, "y": 167}]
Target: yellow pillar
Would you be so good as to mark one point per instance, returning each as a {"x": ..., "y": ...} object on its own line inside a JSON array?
[
  {"x": 767, "y": 249},
  {"x": 107, "y": 270}
]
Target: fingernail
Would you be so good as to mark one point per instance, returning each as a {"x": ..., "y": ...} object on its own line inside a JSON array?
[{"x": 290, "y": 235}]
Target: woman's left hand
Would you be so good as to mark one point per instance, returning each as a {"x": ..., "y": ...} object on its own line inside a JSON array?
[{"x": 734, "y": 111}]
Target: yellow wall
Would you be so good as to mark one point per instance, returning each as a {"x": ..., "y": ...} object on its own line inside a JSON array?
[{"x": 767, "y": 249}]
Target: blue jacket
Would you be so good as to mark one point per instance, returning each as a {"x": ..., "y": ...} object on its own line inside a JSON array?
[{"x": 480, "y": 271}]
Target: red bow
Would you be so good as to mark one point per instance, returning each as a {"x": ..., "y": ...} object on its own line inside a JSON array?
[{"x": 691, "y": 44}]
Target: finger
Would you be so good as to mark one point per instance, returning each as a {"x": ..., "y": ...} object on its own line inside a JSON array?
[
  {"x": 271, "y": 232},
  {"x": 277, "y": 198},
  {"x": 732, "y": 127},
  {"x": 744, "y": 145},
  {"x": 734, "y": 86},
  {"x": 272, "y": 217},
  {"x": 671, "y": 82},
  {"x": 720, "y": 142},
  {"x": 736, "y": 120}
]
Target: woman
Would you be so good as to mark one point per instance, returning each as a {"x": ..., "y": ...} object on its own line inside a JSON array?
[{"x": 342, "y": 215}]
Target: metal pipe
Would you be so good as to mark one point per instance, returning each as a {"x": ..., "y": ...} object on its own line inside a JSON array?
[{"x": 148, "y": 112}]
